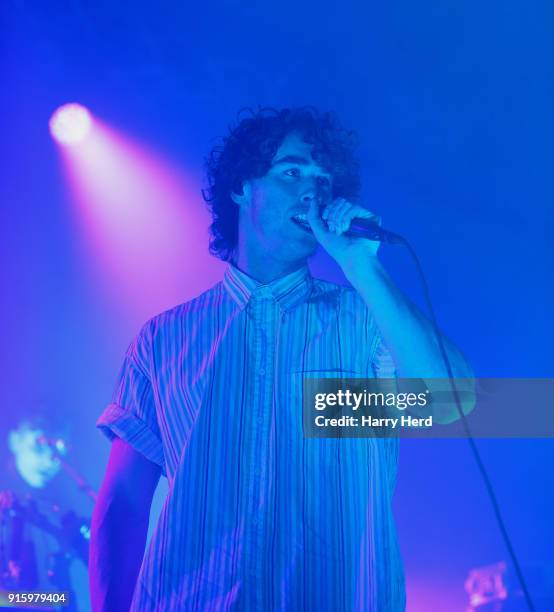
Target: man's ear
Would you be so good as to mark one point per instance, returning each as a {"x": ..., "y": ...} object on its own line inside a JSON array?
[{"x": 243, "y": 197}]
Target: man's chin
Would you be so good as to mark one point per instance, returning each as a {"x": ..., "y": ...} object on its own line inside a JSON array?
[{"x": 303, "y": 248}]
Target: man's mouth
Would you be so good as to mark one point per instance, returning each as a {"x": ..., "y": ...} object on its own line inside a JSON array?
[{"x": 301, "y": 219}]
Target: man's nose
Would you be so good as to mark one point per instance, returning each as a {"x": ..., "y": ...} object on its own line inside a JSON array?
[{"x": 311, "y": 192}]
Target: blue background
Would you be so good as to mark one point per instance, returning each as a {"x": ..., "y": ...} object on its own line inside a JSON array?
[{"x": 453, "y": 104}]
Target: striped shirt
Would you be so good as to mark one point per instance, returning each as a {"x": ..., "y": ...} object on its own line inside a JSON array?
[{"x": 257, "y": 516}]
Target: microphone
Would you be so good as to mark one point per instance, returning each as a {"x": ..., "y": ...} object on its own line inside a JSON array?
[{"x": 367, "y": 228}]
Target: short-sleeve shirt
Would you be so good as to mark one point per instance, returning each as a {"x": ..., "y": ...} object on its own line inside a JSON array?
[{"x": 259, "y": 517}]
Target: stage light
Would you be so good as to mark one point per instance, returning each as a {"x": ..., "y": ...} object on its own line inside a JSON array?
[{"x": 70, "y": 123}]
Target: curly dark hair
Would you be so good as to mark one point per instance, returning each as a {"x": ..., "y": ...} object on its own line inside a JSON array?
[{"x": 247, "y": 150}]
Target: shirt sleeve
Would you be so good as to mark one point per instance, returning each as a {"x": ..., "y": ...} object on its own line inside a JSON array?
[{"x": 131, "y": 414}]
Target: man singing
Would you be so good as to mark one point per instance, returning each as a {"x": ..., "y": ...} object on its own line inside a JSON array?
[{"x": 259, "y": 517}]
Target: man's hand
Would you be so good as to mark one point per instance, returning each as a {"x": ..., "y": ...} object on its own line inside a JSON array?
[{"x": 338, "y": 214}]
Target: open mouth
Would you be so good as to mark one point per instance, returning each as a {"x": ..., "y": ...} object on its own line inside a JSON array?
[{"x": 301, "y": 220}]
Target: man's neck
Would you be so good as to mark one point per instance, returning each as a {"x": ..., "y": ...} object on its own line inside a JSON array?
[{"x": 266, "y": 268}]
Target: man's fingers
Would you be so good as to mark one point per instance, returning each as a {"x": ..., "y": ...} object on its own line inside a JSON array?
[
  {"x": 315, "y": 220},
  {"x": 337, "y": 217},
  {"x": 346, "y": 212},
  {"x": 336, "y": 210},
  {"x": 346, "y": 219},
  {"x": 339, "y": 213}
]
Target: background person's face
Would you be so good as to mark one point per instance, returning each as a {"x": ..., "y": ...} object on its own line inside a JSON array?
[{"x": 266, "y": 215}]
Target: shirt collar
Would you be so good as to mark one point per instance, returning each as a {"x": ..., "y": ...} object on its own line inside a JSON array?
[{"x": 287, "y": 291}]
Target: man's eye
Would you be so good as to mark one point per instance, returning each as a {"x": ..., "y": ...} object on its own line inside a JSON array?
[
  {"x": 324, "y": 181},
  {"x": 292, "y": 172}
]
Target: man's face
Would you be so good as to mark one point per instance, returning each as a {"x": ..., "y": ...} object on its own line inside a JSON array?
[{"x": 270, "y": 205}]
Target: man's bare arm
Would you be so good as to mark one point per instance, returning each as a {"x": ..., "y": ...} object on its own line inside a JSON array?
[
  {"x": 119, "y": 527},
  {"x": 407, "y": 332}
]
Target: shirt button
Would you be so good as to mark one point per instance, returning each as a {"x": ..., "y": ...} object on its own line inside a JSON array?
[
  {"x": 261, "y": 371},
  {"x": 264, "y": 292}
]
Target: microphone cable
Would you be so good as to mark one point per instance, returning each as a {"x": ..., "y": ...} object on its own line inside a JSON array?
[{"x": 471, "y": 440}]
